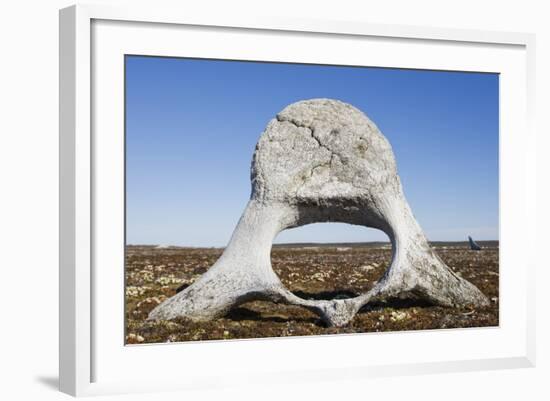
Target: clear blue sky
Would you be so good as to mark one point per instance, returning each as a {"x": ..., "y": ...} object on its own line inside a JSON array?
[{"x": 192, "y": 125}]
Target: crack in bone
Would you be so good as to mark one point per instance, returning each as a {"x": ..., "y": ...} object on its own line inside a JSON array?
[{"x": 311, "y": 129}]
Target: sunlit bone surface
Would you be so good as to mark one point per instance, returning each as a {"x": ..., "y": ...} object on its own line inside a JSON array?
[{"x": 321, "y": 160}]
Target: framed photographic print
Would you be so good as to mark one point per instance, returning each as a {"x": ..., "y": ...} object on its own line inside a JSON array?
[{"x": 284, "y": 198}]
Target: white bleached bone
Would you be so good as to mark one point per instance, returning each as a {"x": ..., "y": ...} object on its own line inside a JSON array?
[{"x": 321, "y": 160}]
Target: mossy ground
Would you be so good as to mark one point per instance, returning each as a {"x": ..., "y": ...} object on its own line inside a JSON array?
[{"x": 322, "y": 272}]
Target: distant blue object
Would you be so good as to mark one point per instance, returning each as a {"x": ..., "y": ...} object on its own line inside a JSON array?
[{"x": 473, "y": 245}]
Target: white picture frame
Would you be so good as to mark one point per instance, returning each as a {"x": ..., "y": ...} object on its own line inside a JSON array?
[{"x": 83, "y": 317}]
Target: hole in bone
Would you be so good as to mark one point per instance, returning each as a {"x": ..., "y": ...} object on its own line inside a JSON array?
[{"x": 331, "y": 270}]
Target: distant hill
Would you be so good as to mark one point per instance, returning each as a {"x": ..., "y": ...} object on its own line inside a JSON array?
[
  {"x": 373, "y": 244},
  {"x": 377, "y": 244}
]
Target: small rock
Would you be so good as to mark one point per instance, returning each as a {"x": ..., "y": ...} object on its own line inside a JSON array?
[
  {"x": 133, "y": 338},
  {"x": 397, "y": 316}
]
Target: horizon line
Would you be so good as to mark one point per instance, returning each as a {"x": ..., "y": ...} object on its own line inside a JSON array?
[{"x": 310, "y": 243}]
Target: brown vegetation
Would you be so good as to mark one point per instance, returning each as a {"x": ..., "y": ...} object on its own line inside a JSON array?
[{"x": 310, "y": 271}]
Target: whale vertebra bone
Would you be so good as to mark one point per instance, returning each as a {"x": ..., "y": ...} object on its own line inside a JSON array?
[{"x": 321, "y": 160}]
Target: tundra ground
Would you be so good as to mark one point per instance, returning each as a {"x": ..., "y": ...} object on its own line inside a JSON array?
[{"x": 316, "y": 271}]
